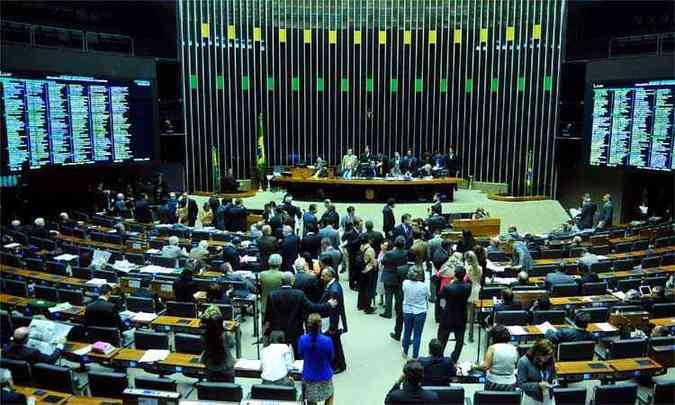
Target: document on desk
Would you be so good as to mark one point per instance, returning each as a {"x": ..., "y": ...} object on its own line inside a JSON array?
[
  {"x": 504, "y": 280},
  {"x": 151, "y": 268},
  {"x": 12, "y": 245},
  {"x": 144, "y": 317},
  {"x": 96, "y": 282},
  {"x": 605, "y": 326},
  {"x": 495, "y": 267},
  {"x": 517, "y": 330},
  {"x": 153, "y": 355},
  {"x": 64, "y": 306},
  {"x": 545, "y": 327},
  {"x": 619, "y": 294},
  {"x": 83, "y": 351},
  {"x": 153, "y": 251},
  {"x": 66, "y": 257},
  {"x": 246, "y": 364}
]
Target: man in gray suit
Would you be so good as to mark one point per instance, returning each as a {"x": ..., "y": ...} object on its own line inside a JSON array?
[
  {"x": 327, "y": 250},
  {"x": 328, "y": 232}
]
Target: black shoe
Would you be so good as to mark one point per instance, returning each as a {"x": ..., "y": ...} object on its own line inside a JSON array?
[
  {"x": 339, "y": 370},
  {"x": 369, "y": 311},
  {"x": 385, "y": 316},
  {"x": 395, "y": 337}
]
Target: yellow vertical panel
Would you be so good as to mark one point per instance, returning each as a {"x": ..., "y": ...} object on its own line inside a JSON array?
[
  {"x": 332, "y": 37},
  {"x": 282, "y": 35},
  {"x": 231, "y": 32},
  {"x": 536, "y": 31},
  {"x": 407, "y": 37},
  {"x": 357, "y": 37},
  {"x": 483, "y": 35},
  {"x": 205, "y": 30},
  {"x": 308, "y": 36},
  {"x": 432, "y": 37},
  {"x": 510, "y": 33},
  {"x": 457, "y": 37},
  {"x": 257, "y": 34},
  {"x": 383, "y": 37}
]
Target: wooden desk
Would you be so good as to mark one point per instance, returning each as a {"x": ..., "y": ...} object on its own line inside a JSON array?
[
  {"x": 167, "y": 323},
  {"x": 534, "y": 330},
  {"x": 39, "y": 276},
  {"x": 182, "y": 362},
  {"x": 127, "y": 357},
  {"x": 13, "y": 301},
  {"x": 479, "y": 227},
  {"x": 81, "y": 400},
  {"x": 41, "y": 395},
  {"x": 71, "y": 347},
  {"x": 584, "y": 300},
  {"x": 635, "y": 366},
  {"x": 664, "y": 355},
  {"x": 662, "y": 321},
  {"x": 588, "y": 370},
  {"x": 655, "y": 271},
  {"x": 612, "y": 256}
]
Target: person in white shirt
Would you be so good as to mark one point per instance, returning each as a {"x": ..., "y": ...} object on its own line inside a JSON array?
[
  {"x": 415, "y": 301},
  {"x": 172, "y": 250},
  {"x": 276, "y": 360},
  {"x": 500, "y": 361}
]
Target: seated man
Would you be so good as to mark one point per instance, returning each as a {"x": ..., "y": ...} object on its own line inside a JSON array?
[
  {"x": 557, "y": 278},
  {"x": 523, "y": 279},
  {"x": 508, "y": 304},
  {"x": 17, "y": 349},
  {"x": 572, "y": 334},
  {"x": 438, "y": 369},
  {"x": 408, "y": 388},
  {"x": 172, "y": 250},
  {"x": 102, "y": 312}
]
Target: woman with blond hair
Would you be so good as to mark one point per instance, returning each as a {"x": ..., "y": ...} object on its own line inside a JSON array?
[{"x": 474, "y": 273}]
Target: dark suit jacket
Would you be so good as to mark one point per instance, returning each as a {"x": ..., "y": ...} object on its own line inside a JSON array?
[
  {"x": 267, "y": 245},
  {"x": 103, "y": 314},
  {"x": 231, "y": 255},
  {"x": 438, "y": 371},
  {"x": 606, "y": 214},
  {"x": 39, "y": 232},
  {"x": 143, "y": 212},
  {"x": 193, "y": 210},
  {"x": 289, "y": 248},
  {"x": 407, "y": 394},
  {"x": 309, "y": 221},
  {"x": 221, "y": 217},
  {"x": 287, "y": 310},
  {"x": 388, "y": 220},
  {"x": 184, "y": 291},
  {"x": 312, "y": 244},
  {"x": 390, "y": 263},
  {"x": 587, "y": 215},
  {"x": 437, "y": 208},
  {"x": 377, "y": 239},
  {"x": 406, "y": 232},
  {"x": 570, "y": 334},
  {"x": 24, "y": 353},
  {"x": 238, "y": 216},
  {"x": 335, "y": 291},
  {"x": 330, "y": 217},
  {"x": 452, "y": 164},
  {"x": 309, "y": 284},
  {"x": 456, "y": 295}
]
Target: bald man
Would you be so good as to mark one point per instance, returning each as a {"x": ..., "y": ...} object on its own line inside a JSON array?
[{"x": 17, "y": 349}]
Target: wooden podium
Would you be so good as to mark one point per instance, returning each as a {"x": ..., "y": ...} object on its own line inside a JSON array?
[{"x": 478, "y": 227}]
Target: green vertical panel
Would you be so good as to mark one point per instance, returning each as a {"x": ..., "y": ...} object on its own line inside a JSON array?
[
  {"x": 419, "y": 85},
  {"x": 245, "y": 83},
  {"x": 270, "y": 83},
  {"x": 521, "y": 83},
  {"x": 494, "y": 85},
  {"x": 194, "y": 82},
  {"x": 295, "y": 83},
  {"x": 319, "y": 84},
  {"x": 220, "y": 82},
  {"x": 393, "y": 85},
  {"x": 444, "y": 85},
  {"x": 370, "y": 84},
  {"x": 468, "y": 86},
  {"x": 548, "y": 83},
  {"x": 344, "y": 85}
]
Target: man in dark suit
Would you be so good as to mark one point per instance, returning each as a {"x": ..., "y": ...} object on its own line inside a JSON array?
[
  {"x": 192, "y": 209},
  {"x": 102, "y": 312},
  {"x": 329, "y": 232},
  {"x": 330, "y": 216},
  {"x": 408, "y": 389},
  {"x": 572, "y": 334},
  {"x": 142, "y": 210},
  {"x": 289, "y": 248},
  {"x": 288, "y": 308},
  {"x": 391, "y": 261},
  {"x": 453, "y": 301},
  {"x": 452, "y": 163},
  {"x": 408, "y": 163},
  {"x": 606, "y": 213},
  {"x": 438, "y": 369},
  {"x": 388, "y": 220},
  {"x": 376, "y": 237},
  {"x": 307, "y": 282},
  {"x": 39, "y": 230},
  {"x": 311, "y": 242},
  {"x": 309, "y": 220},
  {"x": 293, "y": 211},
  {"x": 17, "y": 349},
  {"x": 588, "y": 208},
  {"x": 231, "y": 253},
  {"x": 405, "y": 230},
  {"x": 267, "y": 245},
  {"x": 328, "y": 252},
  {"x": 238, "y": 216},
  {"x": 333, "y": 290},
  {"x": 222, "y": 215}
]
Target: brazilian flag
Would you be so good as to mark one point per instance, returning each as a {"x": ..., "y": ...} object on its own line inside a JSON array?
[
  {"x": 261, "y": 158},
  {"x": 215, "y": 160},
  {"x": 529, "y": 174}
]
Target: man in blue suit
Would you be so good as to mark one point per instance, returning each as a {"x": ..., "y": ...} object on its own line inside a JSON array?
[
  {"x": 405, "y": 230},
  {"x": 606, "y": 212},
  {"x": 309, "y": 220},
  {"x": 338, "y": 319}
]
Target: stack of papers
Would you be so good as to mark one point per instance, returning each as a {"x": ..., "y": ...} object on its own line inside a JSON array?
[
  {"x": 153, "y": 251},
  {"x": 124, "y": 266},
  {"x": 100, "y": 258},
  {"x": 96, "y": 282},
  {"x": 545, "y": 327},
  {"x": 152, "y": 355},
  {"x": 144, "y": 317},
  {"x": 64, "y": 306},
  {"x": 246, "y": 364},
  {"x": 66, "y": 257},
  {"x": 516, "y": 330},
  {"x": 606, "y": 327},
  {"x": 83, "y": 351},
  {"x": 12, "y": 245},
  {"x": 504, "y": 280},
  {"x": 151, "y": 268}
]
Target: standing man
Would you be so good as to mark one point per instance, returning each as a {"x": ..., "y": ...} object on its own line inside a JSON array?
[
  {"x": 311, "y": 242},
  {"x": 606, "y": 213},
  {"x": 328, "y": 232},
  {"x": 142, "y": 210},
  {"x": 453, "y": 301},
  {"x": 338, "y": 319},
  {"x": 405, "y": 229},
  {"x": 267, "y": 245},
  {"x": 352, "y": 245},
  {"x": 293, "y": 211},
  {"x": 388, "y": 220},
  {"x": 391, "y": 262},
  {"x": 289, "y": 248},
  {"x": 192, "y": 209},
  {"x": 588, "y": 208},
  {"x": 452, "y": 163},
  {"x": 238, "y": 216},
  {"x": 270, "y": 280},
  {"x": 375, "y": 237},
  {"x": 309, "y": 220}
]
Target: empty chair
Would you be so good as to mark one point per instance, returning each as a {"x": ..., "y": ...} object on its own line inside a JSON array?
[
  {"x": 565, "y": 290},
  {"x": 641, "y": 245},
  {"x": 72, "y": 297},
  {"x": 623, "y": 247},
  {"x": 54, "y": 378},
  {"x": 651, "y": 262},
  {"x": 596, "y": 314},
  {"x": 108, "y": 335},
  {"x": 44, "y": 292},
  {"x": 135, "y": 258},
  {"x": 599, "y": 288},
  {"x": 508, "y": 318},
  {"x": 186, "y": 343},
  {"x": 448, "y": 395},
  {"x": 81, "y": 272},
  {"x": 663, "y": 393},
  {"x": 601, "y": 266},
  {"x": 20, "y": 370},
  {"x": 628, "y": 284},
  {"x": 654, "y": 281},
  {"x": 164, "y": 261},
  {"x": 576, "y": 351},
  {"x": 555, "y": 317},
  {"x": 626, "y": 348},
  {"x": 17, "y": 288},
  {"x": 141, "y": 304},
  {"x": 496, "y": 397},
  {"x": 668, "y": 259},
  {"x": 570, "y": 396},
  {"x": 35, "y": 264},
  {"x": 58, "y": 268},
  {"x": 6, "y": 328},
  {"x": 273, "y": 392},
  {"x": 181, "y": 309},
  {"x": 664, "y": 310},
  {"x": 623, "y": 265},
  {"x": 623, "y": 394},
  {"x": 219, "y": 391},
  {"x": 151, "y": 340},
  {"x": 103, "y": 384},
  {"x": 155, "y": 383},
  {"x": 487, "y": 293}
]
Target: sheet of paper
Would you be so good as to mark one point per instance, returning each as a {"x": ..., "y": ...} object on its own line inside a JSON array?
[
  {"x": 607, "y": 327},
  {"x": 495, "y": 267},
  {"x": 156, "y": 269},
  {"x": 134, "y": 284},
  {"x": 574, "y": 212},
  {"x": 153, "y": 251},
  {"x": 12, "y": 245},
  {"x": 123, "y": 266},
  {"x": 619, "y": 294},
  {"x": 64, "y": 306},
  {"x": 96, "y": 282},
  {"x": 46, "y": 335},
  {"x": 124, "y": 315},
  {"x": 246, "y": 364},
  {"x": 66, "y": 257},
  {"x": 516, "y": 330},
  {"x": 248, "y": 259},
  {"x": 504, "y": 280},
  {"x": 83, "y": 351},
  {"x": 144, "y": 317},
  {"x": 545, "y": 327},
  {"x": 152, "y": 355}
]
